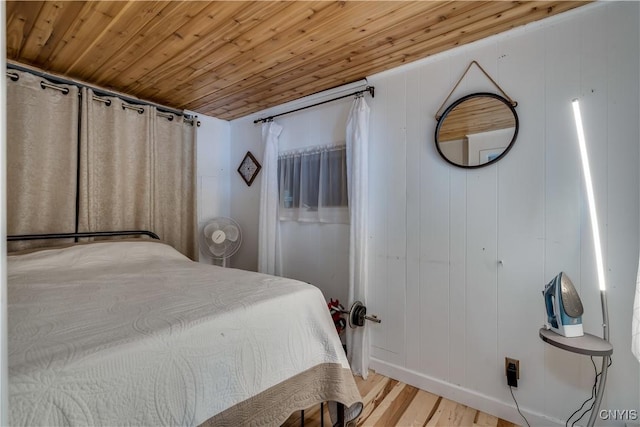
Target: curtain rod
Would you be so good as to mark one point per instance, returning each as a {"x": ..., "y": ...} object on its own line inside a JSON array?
[
  {"x": 369, "y": 89},
  {"x": 62, "y": 80}
]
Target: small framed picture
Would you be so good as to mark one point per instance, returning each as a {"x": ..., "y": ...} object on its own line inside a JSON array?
[{"x": 249, "y": 168}]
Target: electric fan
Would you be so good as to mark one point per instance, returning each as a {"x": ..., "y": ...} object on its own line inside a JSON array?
[{"x": 220, "y": 238}]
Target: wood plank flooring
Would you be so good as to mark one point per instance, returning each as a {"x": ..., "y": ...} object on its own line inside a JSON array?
[{"x": 389, "y": 403}]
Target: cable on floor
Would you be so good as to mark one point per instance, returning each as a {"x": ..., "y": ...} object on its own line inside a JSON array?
[{"x": 518, "y": 407}]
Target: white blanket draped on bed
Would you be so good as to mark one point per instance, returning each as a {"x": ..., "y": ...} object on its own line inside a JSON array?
[{"x": 117, "y": 333}]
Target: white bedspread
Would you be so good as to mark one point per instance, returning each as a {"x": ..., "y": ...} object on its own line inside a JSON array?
[{"x": 134, "y": 333}]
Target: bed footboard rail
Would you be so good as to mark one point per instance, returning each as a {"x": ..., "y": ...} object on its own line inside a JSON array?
[{"x": 80, "y": 235}]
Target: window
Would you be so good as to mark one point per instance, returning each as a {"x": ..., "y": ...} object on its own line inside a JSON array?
[{"x": 313, "y": 185}]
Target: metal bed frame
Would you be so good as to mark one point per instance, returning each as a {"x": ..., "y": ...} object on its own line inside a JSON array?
[
  {"x": 81, "y": 235},
  {"x": 340, "y": 421}
]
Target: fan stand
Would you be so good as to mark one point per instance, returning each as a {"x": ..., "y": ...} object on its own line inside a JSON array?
[{"x": 218, "y": 262}]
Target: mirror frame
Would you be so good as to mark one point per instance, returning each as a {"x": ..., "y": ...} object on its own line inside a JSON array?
[{"x": 460, "y": 101}]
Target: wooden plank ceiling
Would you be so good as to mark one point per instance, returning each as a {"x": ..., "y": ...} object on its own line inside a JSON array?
[{"x": 230, "y": 59}]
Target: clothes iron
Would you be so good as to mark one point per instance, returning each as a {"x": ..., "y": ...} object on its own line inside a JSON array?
[{"x": 564, "y": 308}]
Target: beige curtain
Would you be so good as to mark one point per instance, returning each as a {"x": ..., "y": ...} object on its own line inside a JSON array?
[
  {"x": 42, "y": 135},
  {"x": 174, "y": 200},
  {"x": 116, "y": 165},
  {"x": 137, "y": 168},
  {"x": 137, "y": 171}
]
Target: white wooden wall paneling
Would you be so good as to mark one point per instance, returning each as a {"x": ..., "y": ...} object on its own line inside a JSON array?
[
  {"x": 482, "y": 251},
  {"x": 396, "y": 189},
  {"x": 481, "y": 279},
  {"x": 457, "y": 230},
  {"x": 213, "y": 171},
  {"x": 488, "y": 284},
  {"x": 521, "y": 222},
  {"x": 4, "y": 384},
  {"x": 592, "y": 91},
  {"x": 377, "y": 217},
  {"x": 416, "y": 118},
  {"x": 463, "y": 279},
  {"x": 245, "y": 201},
  {"x": 481, "y": 272},
  {"x": 434, "y": 236},
  {"x": 458, "y": 296},
  {"x": 541, "y": 223},
  {"x": 562, "y": 205},
  {"x": 317, "y": 254},
  {"x": 622, "y": 57}
]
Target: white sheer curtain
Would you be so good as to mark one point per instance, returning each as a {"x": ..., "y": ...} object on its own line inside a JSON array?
[
  {"x": 357, "y": 172},
  {"x": 313, "y": 185},
  {"x": 268, "y": 228}
]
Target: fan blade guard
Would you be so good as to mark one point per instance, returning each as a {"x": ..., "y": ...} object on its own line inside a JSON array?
[
  {"x": 210, "y": 228},
  {"x": 232, "y": 232}
]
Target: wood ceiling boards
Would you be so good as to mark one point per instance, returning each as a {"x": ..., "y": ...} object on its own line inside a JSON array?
[{"x": 231, "y": 59}]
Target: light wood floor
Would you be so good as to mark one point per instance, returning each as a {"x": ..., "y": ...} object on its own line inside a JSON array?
[{"x": 389, "y": 403}]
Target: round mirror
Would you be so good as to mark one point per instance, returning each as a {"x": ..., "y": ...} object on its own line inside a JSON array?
[{"x": 476, "y": 130}]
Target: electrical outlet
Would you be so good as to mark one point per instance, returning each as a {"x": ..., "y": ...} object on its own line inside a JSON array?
[
  {"x": 516, "y": 362},
  {"x": 512, "y": 371}
]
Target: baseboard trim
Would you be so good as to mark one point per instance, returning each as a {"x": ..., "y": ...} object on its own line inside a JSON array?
[{"x": 487, "y": 404}]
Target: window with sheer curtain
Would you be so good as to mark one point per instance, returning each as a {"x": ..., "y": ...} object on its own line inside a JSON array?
[{"x": 313, "y": 185}]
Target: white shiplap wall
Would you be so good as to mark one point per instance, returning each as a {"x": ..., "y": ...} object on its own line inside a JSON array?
[
  {"x": 450, "y": 311},
  {"x": 4, "y": 386},
  {"x": 213, "y": 171}
]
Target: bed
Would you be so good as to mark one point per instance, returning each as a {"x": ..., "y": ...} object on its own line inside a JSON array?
[{"x": 134, "y": 333}]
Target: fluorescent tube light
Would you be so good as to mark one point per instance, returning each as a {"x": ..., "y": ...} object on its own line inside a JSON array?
[{"x": 590, "y": 197}]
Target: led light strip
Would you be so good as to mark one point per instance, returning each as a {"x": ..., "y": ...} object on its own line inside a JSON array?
[{"x": 590, "y": 197}]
